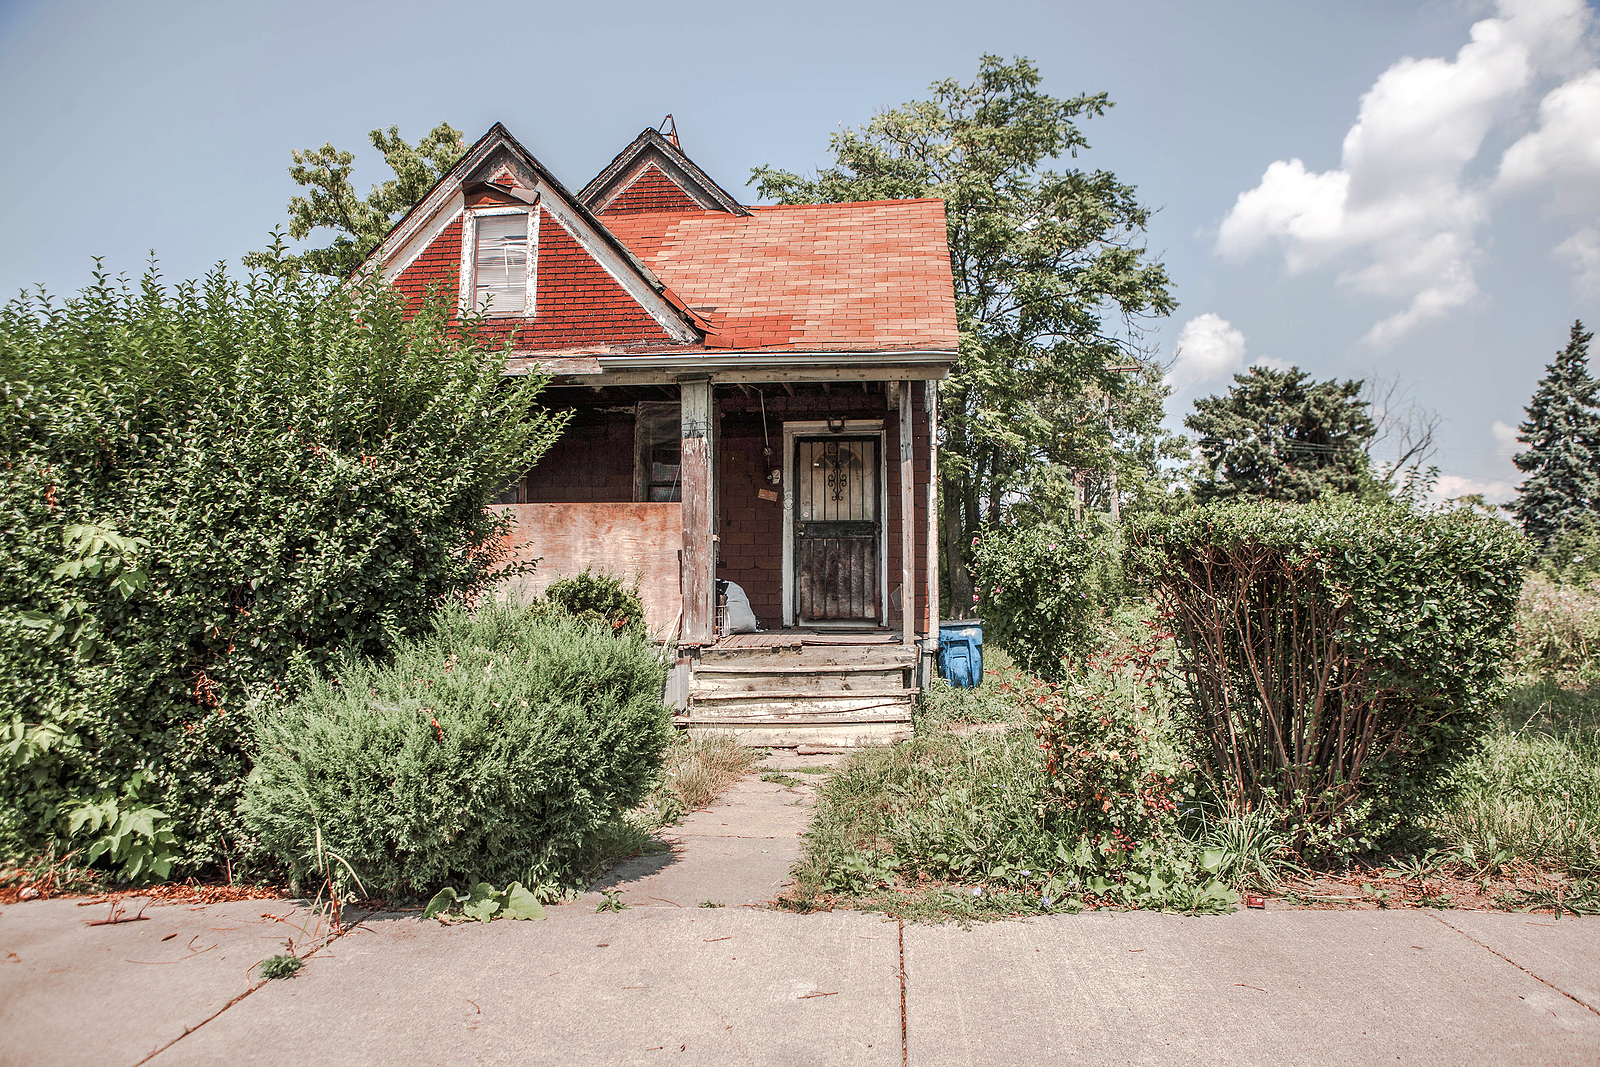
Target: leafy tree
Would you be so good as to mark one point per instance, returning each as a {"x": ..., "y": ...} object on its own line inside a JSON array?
[
  {"x": 1280, "y": 435},
  {"x": 1562, "y": 432},
  {"x": 1040, "y": 259},
  {"x": 358, "y": 224}
]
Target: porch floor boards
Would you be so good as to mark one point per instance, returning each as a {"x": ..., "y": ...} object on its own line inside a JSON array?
[{"x": 800, "y": 637}]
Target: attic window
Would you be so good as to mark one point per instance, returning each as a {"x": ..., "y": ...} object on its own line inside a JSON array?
[{"x": 501, "y": 274}]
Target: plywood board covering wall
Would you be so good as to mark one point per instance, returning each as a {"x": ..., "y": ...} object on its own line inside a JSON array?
[{"x": 630, "y": 541}]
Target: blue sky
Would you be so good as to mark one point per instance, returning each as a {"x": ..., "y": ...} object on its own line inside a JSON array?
[{"x": 1358, "y": 188}]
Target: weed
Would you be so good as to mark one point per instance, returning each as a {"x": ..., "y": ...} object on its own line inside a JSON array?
[
  {"x": 779, "y": 778},
  {"x": 811, "y": 770},
  {"x": 610, "y": 901},
  {"x": 280, "y": 966},
  {"x": 1256, "y": 850},
  {"x": 483, "y": 903},
  {"x": 711, "y": 904},
  {"x": 698, "y": 768}
]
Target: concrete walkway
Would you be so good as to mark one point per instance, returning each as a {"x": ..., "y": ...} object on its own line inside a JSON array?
[{"x": 669, "y": 981}]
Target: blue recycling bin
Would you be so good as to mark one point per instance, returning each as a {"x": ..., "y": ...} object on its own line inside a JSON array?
[{"x": 961, "y": 652}]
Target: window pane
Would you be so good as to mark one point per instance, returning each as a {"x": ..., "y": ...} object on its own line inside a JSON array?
[{"x": 502, "y": 265}]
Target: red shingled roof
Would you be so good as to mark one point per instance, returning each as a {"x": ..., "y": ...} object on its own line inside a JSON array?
[{"x": 868, "y": 276}]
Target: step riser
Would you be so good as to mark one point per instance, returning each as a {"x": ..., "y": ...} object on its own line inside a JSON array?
[
  {"x": 708, "y": 682},
  {"x": 881, "y": 707},
  {"x": 885, "y": 656},
  {"x": 854, "y": 735}
]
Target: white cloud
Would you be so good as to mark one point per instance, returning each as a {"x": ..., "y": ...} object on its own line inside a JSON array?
[
  {"x": 1582, "y": 253},
  {"x": 1450, "y": 486},
  {"x": 1209, "y": 347},
  {"x": 1399, "y": 216},
  {"x": 1505, "y": 439},
  {"x": 1565, "y": 149}
]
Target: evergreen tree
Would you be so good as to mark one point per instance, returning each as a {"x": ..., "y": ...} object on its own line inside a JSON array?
[
  {"x": 1279, "y": 435},
  {"x": 1562, "y": 432}
]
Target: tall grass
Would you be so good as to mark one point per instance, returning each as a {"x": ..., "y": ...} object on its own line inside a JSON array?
[{"x": 1531, "y": 789}]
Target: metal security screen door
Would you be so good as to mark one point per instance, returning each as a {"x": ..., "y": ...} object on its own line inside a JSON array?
[{"x": 837, "y": 529}]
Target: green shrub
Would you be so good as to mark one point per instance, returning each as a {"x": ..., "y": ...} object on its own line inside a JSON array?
[
  {"x": 294, "y": 468},
  {"x": 1340, "y": 654},
  {"x": 492, "y": 749},
  {"x": 1042, "y": 588},
  {"x": 599, "y": 598}
]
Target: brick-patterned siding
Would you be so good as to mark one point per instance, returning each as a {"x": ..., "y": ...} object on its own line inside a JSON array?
[
  {"x": 591, "y": 463},
  {"x": 578, "y": 303},
  {"x": 651, "y": 190},
  {"x": 438, "y": 267},
  {"x": 751, "y": 549}
]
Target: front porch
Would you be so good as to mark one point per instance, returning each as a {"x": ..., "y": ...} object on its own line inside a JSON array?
[{"x": 815, "y": 498}]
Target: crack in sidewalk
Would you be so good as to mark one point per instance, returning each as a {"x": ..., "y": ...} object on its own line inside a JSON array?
[
  {"x": 187, "y": 1030},
  {"x": 1543, "y": 981},
  {"x": 904, "y": 1050}
]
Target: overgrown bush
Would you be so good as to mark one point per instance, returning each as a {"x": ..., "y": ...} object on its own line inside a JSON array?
[
  {"x": 293, "y": 468},
  {"x": 1042, "y": 588},
  {"x": 600, "y": 598},
  {"x": 492, "y": 749},
  {"x": 1340, "y": 654}
]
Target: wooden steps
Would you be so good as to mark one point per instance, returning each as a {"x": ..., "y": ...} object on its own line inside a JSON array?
[{"x": 784, "y": 692}]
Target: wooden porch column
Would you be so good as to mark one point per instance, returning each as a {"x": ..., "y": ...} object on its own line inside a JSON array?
[
  {"x": 699, "y": 551},
  {"x": 908, "y": 520},
  {"x": 930, "y": 400}
]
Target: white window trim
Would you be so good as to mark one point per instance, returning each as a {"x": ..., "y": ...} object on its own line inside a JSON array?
[{"x": 469, "y": 259}]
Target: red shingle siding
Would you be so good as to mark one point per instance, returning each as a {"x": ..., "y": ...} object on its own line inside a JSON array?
[
  {"x": 652, "y": 190},
  {"x": 592, "y": 462},
  {"x": 439, "y": 265},
  {"x": 578, "y": 302}
]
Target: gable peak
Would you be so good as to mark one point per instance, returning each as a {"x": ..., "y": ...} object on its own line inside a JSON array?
[{"x": 654, "y": 157}]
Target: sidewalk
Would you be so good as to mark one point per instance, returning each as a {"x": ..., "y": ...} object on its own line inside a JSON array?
[{"x": 669, "y": 981}]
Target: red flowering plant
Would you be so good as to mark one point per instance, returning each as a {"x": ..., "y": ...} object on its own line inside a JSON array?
[{"x": 1113, "y": 754}]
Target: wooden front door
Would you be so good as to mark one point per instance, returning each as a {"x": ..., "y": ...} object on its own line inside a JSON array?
[{"x": 838, "y": 529}]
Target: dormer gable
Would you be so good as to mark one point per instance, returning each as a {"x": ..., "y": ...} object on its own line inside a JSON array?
[
  {"x": 653, "y": 175},
  {"x": 506, "y": 239}
]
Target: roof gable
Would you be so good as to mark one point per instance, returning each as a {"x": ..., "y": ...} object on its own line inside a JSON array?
[
  {"x": 497, "y": 169},
  {"x": 653, "y": 174}
]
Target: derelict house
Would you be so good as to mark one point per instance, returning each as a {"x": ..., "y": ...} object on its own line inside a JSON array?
[{"x": 753, "y": 397}]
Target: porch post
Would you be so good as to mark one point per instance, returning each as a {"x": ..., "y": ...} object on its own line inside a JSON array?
[
  {"x": 699, "y": 560},
  {"x": 930, "y": 400},
  {"x": 908, "y": 520}
]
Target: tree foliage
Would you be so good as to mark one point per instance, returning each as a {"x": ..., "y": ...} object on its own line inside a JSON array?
[
  {"x": 210, "y": 487},
  {"x": 1043, "y": 261},
  {"x": 1562, "y": 461},
  {"x": 358, "y": 224},
  {"x": 1280, "y": 435}
]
